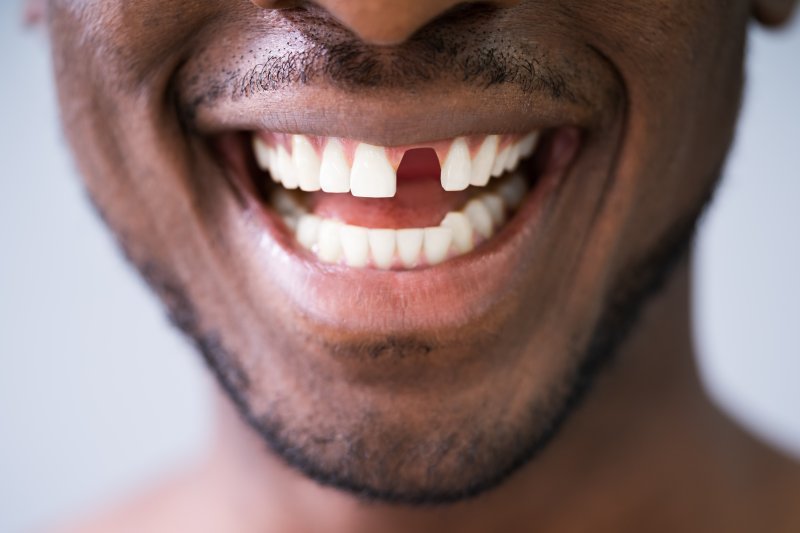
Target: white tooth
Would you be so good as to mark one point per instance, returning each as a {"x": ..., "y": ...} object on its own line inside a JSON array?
[
  {"x": 382, "y": 244},
  {"x": 462, "y": 230},
  {"x": 305, "y": 162},
  {"x": 285, "y": 203},
  {"x": 480, "y": 217},
  {"x": 372, "y": 175},
  {"x": 437, "y": 244},
  {"x": 284, "y": 168},
  {"x": 457, "y": 167},
  {"x": 262, "y": 152},
  {"x": 513, "y": 157},
  {"x": 484, "y": 159},
  {"x": 409, "y": 245},
  {"x": 308, "y": 230},
  {"x": 354, "y": 245},
  {"x": 513, "y": 190},
  {"x": 499, "y": 165},
  {"x": 334, "y": 173},
  {"x": 494, "y": 203},
  {"x": 528, "y": 144},
  {"x": 329, "y": 243},
  {"x": 273, "y": 158}
]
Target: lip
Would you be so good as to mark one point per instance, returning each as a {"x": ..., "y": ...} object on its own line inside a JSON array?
[{"x": 411, "y": 119}]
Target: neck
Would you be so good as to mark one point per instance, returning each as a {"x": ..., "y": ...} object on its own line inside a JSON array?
[{"x": 645, "y": 417}]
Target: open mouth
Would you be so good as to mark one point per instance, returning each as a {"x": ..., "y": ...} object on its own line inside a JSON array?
[{"x": 397, "y": 208}]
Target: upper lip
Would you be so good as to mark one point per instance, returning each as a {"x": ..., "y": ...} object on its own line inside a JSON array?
[{"x": 394, "y": 119}]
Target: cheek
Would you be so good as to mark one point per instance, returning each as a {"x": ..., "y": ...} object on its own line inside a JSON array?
[{"x": 682, "y": 70}]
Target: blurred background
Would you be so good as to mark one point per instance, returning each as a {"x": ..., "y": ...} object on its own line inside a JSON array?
[{"x": 98, "y": 394}]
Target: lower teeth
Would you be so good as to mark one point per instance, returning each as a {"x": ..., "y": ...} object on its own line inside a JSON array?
[{"x": 458, "y": 233}]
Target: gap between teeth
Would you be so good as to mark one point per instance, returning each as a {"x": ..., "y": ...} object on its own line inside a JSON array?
[
  {"x": 458, "y": 233},
  {"x": 371, "y": 173}
]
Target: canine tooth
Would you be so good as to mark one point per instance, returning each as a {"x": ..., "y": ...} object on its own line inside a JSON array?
[
  {"x": 484, "y": 159},
  {"x": 305, "y": 162},
  {"x": 513, "y": 157},
  {"x": 528, "y": 144},
  {"x": 334, "y": 172},
  {"x": 382, "y": 244},
  {"x": 480, "y": 217},
  {"x": 462, "y": 230},
  {"x": 308, "y": 230},
  {"x": 354, "y": 245},
  {"x": 437, "y": 243},
  {"x": 329, "y": 242},
  {"x": 262, "y": 153},
  {"x": 499, "y": 165},
  {"x": 409, "y": 245},
  {"x": 457, "y": 167},
  {"x": 494, "y": 203},
  {"x": 513, "y": 190},
  {"x": 372, "y": 175},
  {"x": 284, "y": 168}
]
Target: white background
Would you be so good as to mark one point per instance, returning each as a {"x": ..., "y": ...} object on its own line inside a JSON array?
[{"x": 98, "y": 394}]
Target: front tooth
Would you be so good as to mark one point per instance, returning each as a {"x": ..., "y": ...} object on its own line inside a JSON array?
[
  {"x": 437, "y": 243},
  {"x": 308, "y": 230},
  {"x": 382, "y": 243},
  {"x": 284, "y": 168},
  {"x": 262, "y": 153},
  {"x": 480, "y": 217},
  {"x": 484, "y": 159},
  {"x": 494, "y": 203},
  {"x": 462, "y": 230},
  {"x": 329, "y": 245},
  {"x": 528, "y": 144},
  {"x": 409, "y": 245},
  {"x": 513, "y": 190},
  {"x": 499, "y": 165},
  {"x": 372, "y": 175},
  {"x": 354, "y": 245},
  {"x": 334, "y": 173},
  {"x": 457, "y": 167},
  {"x": 305, "y": 162}
]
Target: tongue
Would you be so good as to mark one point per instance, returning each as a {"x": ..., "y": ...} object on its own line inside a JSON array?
[{"x": 419, "y": 202}]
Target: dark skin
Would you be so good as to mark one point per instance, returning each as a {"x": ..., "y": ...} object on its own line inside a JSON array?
[{"x": 452, "y": 403}]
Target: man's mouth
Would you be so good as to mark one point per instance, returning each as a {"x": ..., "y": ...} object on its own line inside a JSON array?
[{"x": 398, "y": 208}]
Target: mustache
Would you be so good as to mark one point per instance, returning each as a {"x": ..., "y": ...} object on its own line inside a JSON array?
[
  {"x": 428, "y": 58},
  {"x": 466, "y": 45}
]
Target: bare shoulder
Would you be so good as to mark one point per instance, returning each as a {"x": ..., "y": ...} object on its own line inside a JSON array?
[
  {"x": 768, "y": 484},
  {"x": 182, "y": 502},
  {"x": 781, "y": 488}
]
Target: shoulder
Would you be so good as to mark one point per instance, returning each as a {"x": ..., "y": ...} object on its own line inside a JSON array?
[
  {"x": 764, "y": 485},
  {"x": 180, "y": 503}
]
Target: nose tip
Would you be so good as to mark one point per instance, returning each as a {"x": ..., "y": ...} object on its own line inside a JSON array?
[{"x": 383, "y": 22}]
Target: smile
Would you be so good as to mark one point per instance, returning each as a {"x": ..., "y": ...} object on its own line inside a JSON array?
[{"x": 349, "y": 203}]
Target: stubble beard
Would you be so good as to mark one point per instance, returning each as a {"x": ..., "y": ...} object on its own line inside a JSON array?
[{"x": 479, "y": 457}]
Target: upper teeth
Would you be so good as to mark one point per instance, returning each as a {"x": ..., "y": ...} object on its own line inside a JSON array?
[{"x": 370, "y": 171}]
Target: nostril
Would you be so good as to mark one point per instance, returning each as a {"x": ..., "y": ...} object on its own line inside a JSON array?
[{"x": 419, "y": 163}]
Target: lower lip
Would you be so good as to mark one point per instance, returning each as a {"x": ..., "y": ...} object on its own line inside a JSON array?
[{"x": 448, "y": 296}]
